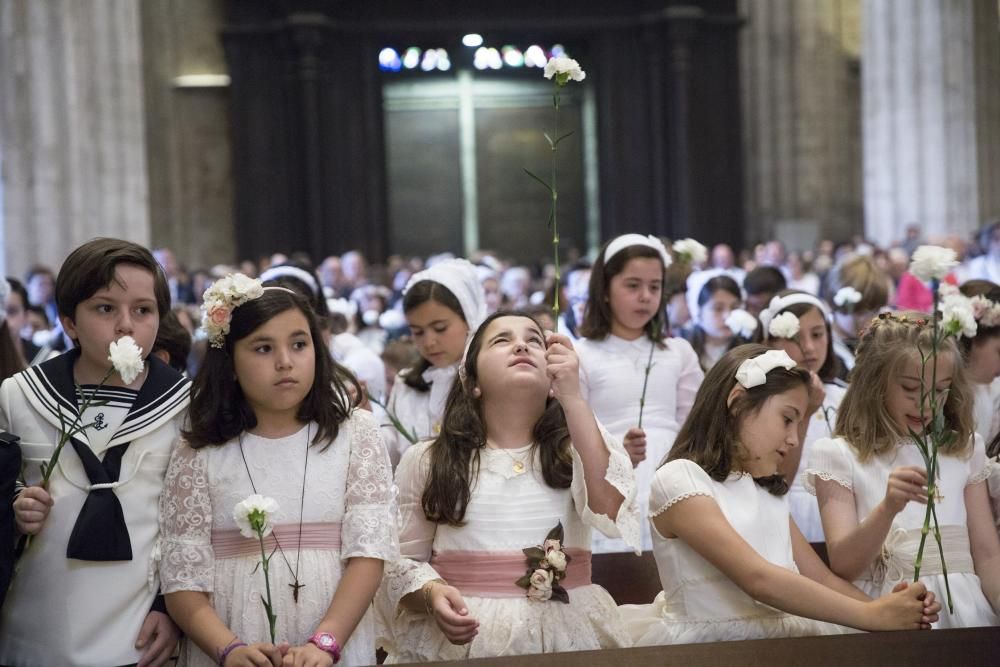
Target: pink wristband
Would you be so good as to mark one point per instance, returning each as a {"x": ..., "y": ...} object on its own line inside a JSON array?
[{"x": 224, "y": 652}]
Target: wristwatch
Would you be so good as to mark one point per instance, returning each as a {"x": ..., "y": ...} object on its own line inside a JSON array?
[{"x": 324, "y": 641}]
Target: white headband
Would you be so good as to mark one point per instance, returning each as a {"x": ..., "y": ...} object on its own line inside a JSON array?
[
  {"x": 628, "y": 240},
  {"x": 292, "y": 272},
  {"x": 780, "y": 303},
  {"x": 753, "y": 372}
]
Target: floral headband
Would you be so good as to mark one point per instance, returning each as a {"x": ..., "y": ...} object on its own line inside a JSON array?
[
  {"x": 222, "y": 298},
  {"x": 779, "y": 303},
  {"x": 628, "y": 240},
  {"x": 753, "y": 372}
]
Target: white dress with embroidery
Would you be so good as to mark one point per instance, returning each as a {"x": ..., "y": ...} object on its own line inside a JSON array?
[
  {"x": 611, "y": 378},
  {"x": 698, "y": 602},
  {"x": 349, "y": 483},
  {"x": 419, "y": 412},
  {"x": 507, "y": 512},
  {"x": 987, "y": 409},
  {"x": 835, "y": 460},
  {"x": 803, "y": 504}
]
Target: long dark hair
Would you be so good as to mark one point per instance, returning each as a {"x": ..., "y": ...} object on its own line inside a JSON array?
[
  {"x": 219, "y": 410},
  {"x": 417, "y": 295},
  {"x": 11, "y": 360},
  {"x": 597, "y": 316},
  {"x": 709, "y": 436},
  {"x": 454, "y": 454}
]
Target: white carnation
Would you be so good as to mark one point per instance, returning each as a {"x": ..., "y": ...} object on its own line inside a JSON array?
[
  {"x": 785, "y": 325},
  {"x": 742, "y": 323},
  {"x": 958, "y": 316},
  {"x": 126, "y": 357},
  {"x": 695, "y": 252},
  {"x": 564, "y": 69},
  {"x": 846, "y": 296},
  {"x": 930, "y": 262},
  {"x": 255, "y": 512}
]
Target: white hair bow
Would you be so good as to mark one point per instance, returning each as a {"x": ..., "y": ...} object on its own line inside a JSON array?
[{"x": 753, "y": 372}]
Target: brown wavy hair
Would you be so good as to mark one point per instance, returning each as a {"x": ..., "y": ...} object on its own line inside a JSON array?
[
  {"x": 889, "y": 342},
  {"x": 710, "y": 435},
  {"x": 454, "y": 454}
]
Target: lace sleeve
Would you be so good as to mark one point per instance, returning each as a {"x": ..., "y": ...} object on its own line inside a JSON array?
[
  {"x": 830, "y": 461},
  {"x": 416, "y": 534},
  {"x": 187, "y": 561},
  {"x": 619, "y": 475},
  {"x": 369, "y": 526},
  {"x": 675, "y": 481},
  {"x": 979, "y": 466}
]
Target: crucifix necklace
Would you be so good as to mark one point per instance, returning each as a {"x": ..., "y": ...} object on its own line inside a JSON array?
[{"x": 302, "y": 502}]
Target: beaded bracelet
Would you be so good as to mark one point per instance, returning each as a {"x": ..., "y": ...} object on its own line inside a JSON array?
[
  {"x": 426, "y": 590},
  {"x": 232, "y": 646}
]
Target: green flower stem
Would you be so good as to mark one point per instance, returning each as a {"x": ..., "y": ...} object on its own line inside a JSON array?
[
  {"x": 645, "y": 380},
  {"x": 555, "y": 200},
  {"x": 944, "y": 566},
  {"x": 264, "y": 562},
  {"x": 398, "y": 425}
]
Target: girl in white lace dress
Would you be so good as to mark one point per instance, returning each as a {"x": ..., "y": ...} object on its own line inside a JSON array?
[
  {"x": 622, "y": 333},
  {"x": 270, "y": 416},
  {"x": 443, "y": 306},
  {"x": 520, "y": 453},
  {"x": 811, "y": 348},
  {"x": 728, "y": 553},
  {"x": 871, "y": 482}
]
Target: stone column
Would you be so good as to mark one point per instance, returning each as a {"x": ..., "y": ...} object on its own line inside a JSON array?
[
  {"x": 72, "y": 130},
  {"x": 801, "y": 119},
  {"x": 931, "y": 116}
]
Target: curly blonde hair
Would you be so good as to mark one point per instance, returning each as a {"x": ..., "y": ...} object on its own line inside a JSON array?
[{"x": 889, "y": 342}]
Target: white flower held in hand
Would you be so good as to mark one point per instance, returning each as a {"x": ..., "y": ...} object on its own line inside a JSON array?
[
  {"x": 742, "y": 323},
  {"x": 254, "y": 514},
  {"x": 692, "y": 251},
  {"x": 785, "y": 325},
  {"x": 126, "y": 357},
  {"x": 931, "y": 262},
  {"x": 564, "y": 69},
  {"x": 958, "y": 316},
  {"x": 846, "y": 296}
]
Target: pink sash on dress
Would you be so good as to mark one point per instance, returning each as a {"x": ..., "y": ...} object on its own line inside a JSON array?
[
  {"x": 230, "y": 543},
  {"x": 491, "y": 574}
]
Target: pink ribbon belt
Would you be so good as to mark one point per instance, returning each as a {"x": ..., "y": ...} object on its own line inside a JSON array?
[
  {"x": 491, "y": 574},
  {"x": 230, "y": 543}
]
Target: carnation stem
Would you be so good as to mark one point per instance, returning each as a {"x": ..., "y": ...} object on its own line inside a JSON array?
[
  {"x": 645, "y": 381},
  {"x": 398, "y": 425},
  {"x": 264, "y": 562},
  {"x": 944, "y": 566},
  {"x": 555, "y": 201}
]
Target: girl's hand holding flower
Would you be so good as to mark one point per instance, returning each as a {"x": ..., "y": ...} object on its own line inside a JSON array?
[
  {"x": 905, "y": 483},
  {"x": 563, "y": 367},
  {"x": 31, "y": 508},
  {"x": 635, "y": 445}
]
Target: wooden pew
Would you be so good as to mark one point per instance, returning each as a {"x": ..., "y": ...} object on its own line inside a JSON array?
[{"x": 973, "y": 646}]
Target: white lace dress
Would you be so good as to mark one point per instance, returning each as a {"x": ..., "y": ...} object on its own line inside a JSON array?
[
  {"x": 348, "y": 487},
  {"x": 507, "y": 512},
  {"x": 834, "y": 460},
  {"x": 803, "y": 504},
  {"x": 698, "y": 602},
  {"x": 611, "y": 378}
]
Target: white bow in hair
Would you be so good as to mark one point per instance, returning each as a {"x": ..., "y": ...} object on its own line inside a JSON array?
[{"x": 753, "y": 372}]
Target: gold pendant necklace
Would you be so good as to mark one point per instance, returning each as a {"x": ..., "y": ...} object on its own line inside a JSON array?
[{"x": 517, "y": 465}]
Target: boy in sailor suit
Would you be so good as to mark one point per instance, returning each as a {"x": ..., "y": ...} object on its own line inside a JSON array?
[{"x": 86, "y": 591}]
